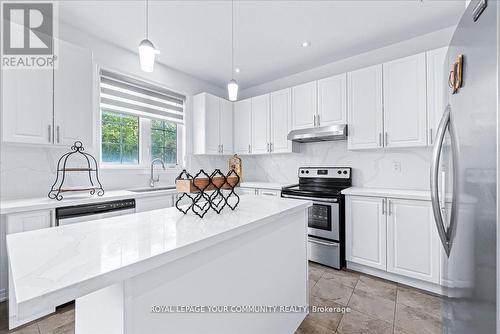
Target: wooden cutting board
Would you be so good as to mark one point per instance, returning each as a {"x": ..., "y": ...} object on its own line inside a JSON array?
[{"x": 188, "y": 186}]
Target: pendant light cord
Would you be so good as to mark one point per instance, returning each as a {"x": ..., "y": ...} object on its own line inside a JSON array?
[
  {"x": 147, "y": 19},
  {"x": 232, "y": 38}
]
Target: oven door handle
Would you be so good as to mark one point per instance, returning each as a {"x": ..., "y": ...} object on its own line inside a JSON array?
[
  {"x": 314, "y": 199},
  {"x": 324, "y": 243}
]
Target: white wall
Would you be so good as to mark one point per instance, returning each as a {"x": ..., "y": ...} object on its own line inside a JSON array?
[
  {"x": 29, "y": 171},
  {"x": 372, "y": 168}
]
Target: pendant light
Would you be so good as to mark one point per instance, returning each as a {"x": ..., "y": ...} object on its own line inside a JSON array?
[
  {"x": 232, "y": 86},
  {"x": 147, "y": 51}
]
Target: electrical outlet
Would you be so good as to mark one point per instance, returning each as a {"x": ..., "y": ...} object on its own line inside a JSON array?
[{"x": 396, "y": 166}]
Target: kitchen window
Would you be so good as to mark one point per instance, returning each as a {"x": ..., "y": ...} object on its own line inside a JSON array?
[{"x": 139, "y": 122}]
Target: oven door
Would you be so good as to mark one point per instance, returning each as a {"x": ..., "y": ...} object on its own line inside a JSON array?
[{"x": 323, "y": 219}]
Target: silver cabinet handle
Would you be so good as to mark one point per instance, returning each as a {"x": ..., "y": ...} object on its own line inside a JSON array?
[
  {"x": 314, "y": 199},
  {"x": 324, "y": 243},
  {"x": 389, "y": 207},
  {"x": 380, "y": 139},
  {"x": 268, "y": 193},
  {"x": 383, "y": 206},
  {"x": 222, "y": 149},
  {"x": 249, "y": 149},
  {"x": 271, "y": 148},
  {"x": 58, "y": 133},
  {"x": 444, "y": 234},
  {"x": 314, "y": 120},
  {"x": 268, "y": 150},
  {"x": 50, "y": 133},
  {"x": 386, "y": 141},
  {"x": 319, "y": 120}
]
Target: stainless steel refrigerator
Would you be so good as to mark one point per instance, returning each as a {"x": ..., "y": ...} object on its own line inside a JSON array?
[{"x": 464, "y": 174}]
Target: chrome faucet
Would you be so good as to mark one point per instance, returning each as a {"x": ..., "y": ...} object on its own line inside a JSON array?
[{"x": 152, "y": 179}]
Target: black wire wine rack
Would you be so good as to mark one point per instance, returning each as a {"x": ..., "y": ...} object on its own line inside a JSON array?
[
  {"x": 204, "y": 192},
  {"x": 89, "y": 166}
]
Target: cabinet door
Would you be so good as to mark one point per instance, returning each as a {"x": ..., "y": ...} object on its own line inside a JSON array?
[
  {"x": 405, "y": 120},
  {"x": 226, "y": 126},
  {"x": 437, "y": 96},
  {"x": 243, "y": 126},
  {"x": 332, "y": 100},
  {"x": 269, "y": 192},
  {"x": 365, "y": 231},
  {"x": 153, "y": 203},
  {"x": 27, "y": 106},
  {"x": 412, "y": 244},
  {"x": 304, "y": 105},
  {"x": 212, "y": 124},
  {"x": 364, "y": 117},
  {"x": 29, "y": 221},
  {"x": 281, "y": 121},
  {"x": 260, "y": 124},
  {"x": 73, "y": 98}
]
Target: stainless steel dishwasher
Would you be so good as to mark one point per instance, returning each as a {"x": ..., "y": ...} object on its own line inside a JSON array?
[{"x": 86, "y": 212}]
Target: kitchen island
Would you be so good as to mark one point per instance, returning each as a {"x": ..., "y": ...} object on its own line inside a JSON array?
[{"x": 160, "y": 271}]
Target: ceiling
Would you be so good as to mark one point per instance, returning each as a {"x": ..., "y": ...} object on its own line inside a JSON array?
[{"x": 195, "y": 36}]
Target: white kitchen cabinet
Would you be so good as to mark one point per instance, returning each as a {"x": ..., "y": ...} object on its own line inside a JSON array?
[
  {"x": 260, "y": 124},
  {"x": 29, "y": 221},
  {"x": 332, "y": 100},
  {"x": 366, "y": 231},
  {"x": 412, "y": 240},
  {"x": 243, "y": 126},
  {"x": 27, "y": 106},
  {"x": 365, "y": 108},
  {"x": 212, "y": 125},
  {"x": 50, "y": 106},
  {"x": 405, "y": 109},
  {"x": 269, "y": 192},
  {"x": 153, "y": 203},
  {"x": 281, "y": 122},
  {"x": 73, "y": 97},
  {"x": 437, "y": 96},
  {"x": 226, "y": 126},
  {"x": 247, "y": 191},
  {"x": 304, "y": 105}
]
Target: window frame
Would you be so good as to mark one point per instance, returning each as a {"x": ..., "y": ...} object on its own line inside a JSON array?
[{"x": 145, "y": 145}]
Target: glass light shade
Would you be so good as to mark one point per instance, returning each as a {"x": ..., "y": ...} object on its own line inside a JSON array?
[
  {"x": 232, "y": 90},
  {"x": 147, "y": 54}
]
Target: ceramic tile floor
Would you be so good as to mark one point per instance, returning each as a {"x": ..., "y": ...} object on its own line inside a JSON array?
[{"x": 376, "y": 306}]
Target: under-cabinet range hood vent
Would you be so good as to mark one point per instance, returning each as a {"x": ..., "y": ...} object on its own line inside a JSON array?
[{"x": 323, "y": 133}]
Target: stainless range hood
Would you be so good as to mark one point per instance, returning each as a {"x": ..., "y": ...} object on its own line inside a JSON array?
[{"x": 323, "y": 133}]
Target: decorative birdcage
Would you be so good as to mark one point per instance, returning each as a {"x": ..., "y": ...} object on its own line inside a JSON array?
[{"x": 76, "y": 161}]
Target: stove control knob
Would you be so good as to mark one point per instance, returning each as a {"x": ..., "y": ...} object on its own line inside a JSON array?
[
  {"x": 307, "y": 172},
  {"x": 302, "y": 171},
  {"x": 345, "y": 172},
  {"x": 339, "y": 172}
]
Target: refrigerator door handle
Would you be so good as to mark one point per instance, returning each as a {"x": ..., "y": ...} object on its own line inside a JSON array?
[{"x": 436, "y": 154}]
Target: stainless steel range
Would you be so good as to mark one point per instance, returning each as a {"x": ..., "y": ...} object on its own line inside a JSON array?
[{"x": 322, "y": 185}]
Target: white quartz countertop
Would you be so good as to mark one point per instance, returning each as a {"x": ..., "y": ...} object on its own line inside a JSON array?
[
  {"x": 30, "y": 204},
  {"x": 264, "y": 185},
  {"x": 383, "y": 192},
  {"x": 55, "y": 265}
]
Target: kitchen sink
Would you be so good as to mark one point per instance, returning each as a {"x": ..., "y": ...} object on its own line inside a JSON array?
[{"x": 145, "y": 190}]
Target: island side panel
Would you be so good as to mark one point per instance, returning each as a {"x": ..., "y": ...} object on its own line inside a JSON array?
[{"x": 266, "y": 266}]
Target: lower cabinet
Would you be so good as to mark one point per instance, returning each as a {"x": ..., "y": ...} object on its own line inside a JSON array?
[
  {"x": 394, "y": 235},
  {"x": 259, "y": 191},
  {"x": 366, "y": 231},
  {"x": 15, "y": 223},
  {"x": 153, "y": 203}
]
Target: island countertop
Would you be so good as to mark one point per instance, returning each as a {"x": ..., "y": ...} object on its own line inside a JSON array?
[{"x": 56, "y": 265}]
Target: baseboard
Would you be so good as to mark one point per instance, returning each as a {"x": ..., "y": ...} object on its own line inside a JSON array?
[{"x": 427, "y": 286}]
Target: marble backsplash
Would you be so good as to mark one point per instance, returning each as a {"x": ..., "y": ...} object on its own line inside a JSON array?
[{"x": 382, "y": 168}]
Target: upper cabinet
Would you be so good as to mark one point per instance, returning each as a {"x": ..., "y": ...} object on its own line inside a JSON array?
[
  {"x": 332, "y": 101},
  {"x": 365, "y": 108},
  {"x": 212, "y": 125},
  {"x": 243, "y": 126},
  {"x": 304, "y": 105},
  {"x": 73, "y": 103},
  {"x": 437, "y": 98},
  {"x": 281, "y": 122},
  {"x": 405, "y": 102},
  {"x": 59, "y": 108},
  {"x": 260, "y": 124}
]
